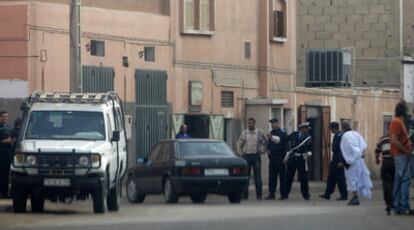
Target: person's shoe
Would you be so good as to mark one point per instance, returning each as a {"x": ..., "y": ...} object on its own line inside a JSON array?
[
  {"x": 245, "y": 197},
  {"x": 283, "y": 198},
  {"x": 270, "y": 197},
  {"x": 410, "y": 212},
  {"x": 342, "y": 198},
  {"x": 306, "y": 198},
  {"x": 258, "y": 197},
  {"x": 354, "y": 201},
  {"x": 324, "y": 196},
  {"x": 388, "y": 211}
]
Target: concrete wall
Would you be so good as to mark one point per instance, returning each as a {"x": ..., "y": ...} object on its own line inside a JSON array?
[{"x": 370, "y": 27}]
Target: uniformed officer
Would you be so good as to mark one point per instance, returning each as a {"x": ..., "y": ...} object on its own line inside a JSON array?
[
  {"x": 6, "y": 145},
  {"x": 336, "y": 168},
  {"x": 296, "y": 159},
  {"x": 276, "y": 151}
]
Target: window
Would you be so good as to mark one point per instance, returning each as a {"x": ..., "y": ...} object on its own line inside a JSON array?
[
  {"x": 97, "y": 48},
  {"x": 149, "y": 54},
  {"x": 153, "y": 156},
  {"x": 189, "y": 10},
  {"x": 387, "y": 121},
  {"x": 198, "y": 17},
  {"x": 227, "y": 99},
  {"x": 279, "y": 20},
  {"x": 247, "y": 50}
]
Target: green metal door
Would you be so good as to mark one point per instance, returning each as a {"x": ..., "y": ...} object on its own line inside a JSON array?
[
  {"x": 151, "y": 109},
  {"x": 97, "y": 79}
]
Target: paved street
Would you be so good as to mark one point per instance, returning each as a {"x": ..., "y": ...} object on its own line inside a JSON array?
[{"x": 216, "y": 213}]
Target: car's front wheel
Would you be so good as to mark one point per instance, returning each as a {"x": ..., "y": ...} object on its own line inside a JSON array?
[
  {"x": 113, "y": 198},
  {"x": 170, "y": 195},
  {"x": 132, "y": 192},
  {"x": 235, "y": 198},
  {"x": 19, "y": 200},
  {"x": 37, "y": 200},
  {"x": 98, "y": 197},
  {"x": 198, "y": 198}
]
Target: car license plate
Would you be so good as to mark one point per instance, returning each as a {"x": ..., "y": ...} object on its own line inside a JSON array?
[
  {"x": 216, "y": 172},
  {"x": 56, "y": 182}
]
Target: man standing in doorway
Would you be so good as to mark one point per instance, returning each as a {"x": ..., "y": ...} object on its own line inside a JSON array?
[
  {"x": 336, "y": 168},
  {"x": 6, "y": 145},
  {"x": 250, "y": 146},
  {"x": 401, "y": 151},
  {"x": 277, "y": 151},
  {"x": 182, "y": 134},
  {"x": 353, "y": 148},
  {"x": 300, "y": 150}
]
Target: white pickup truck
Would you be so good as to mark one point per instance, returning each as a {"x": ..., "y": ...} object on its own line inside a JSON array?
[{"x": 71, "y": 146}]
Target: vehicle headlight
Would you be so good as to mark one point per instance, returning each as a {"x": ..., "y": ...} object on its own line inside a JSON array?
[
  {"x": 31, "y": 160},
  {"x": 18, "y": 158},
  {"x": 83, "y": 161},
  {"x": 96, "y": 160}
]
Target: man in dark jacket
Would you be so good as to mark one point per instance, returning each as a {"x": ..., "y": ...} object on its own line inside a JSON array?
[
  {"x": 276, "y": 151},
  {"x": 6, "y": 145},
  {"x": 336, "y": 168},
  {"x": 300, "y": 150}
]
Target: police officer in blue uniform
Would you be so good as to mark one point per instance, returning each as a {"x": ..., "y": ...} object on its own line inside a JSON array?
[
  {"x": 276, "y": 151},
  {"x": 300, "y": 150},
  {"x": 336, "y": 168},
  {"x": 6, "y": 145}
]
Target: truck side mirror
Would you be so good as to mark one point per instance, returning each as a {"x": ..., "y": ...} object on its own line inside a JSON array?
[{"x": 115, "y": 136}]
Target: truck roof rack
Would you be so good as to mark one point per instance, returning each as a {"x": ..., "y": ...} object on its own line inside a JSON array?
[{"x": 75, "y": 98}]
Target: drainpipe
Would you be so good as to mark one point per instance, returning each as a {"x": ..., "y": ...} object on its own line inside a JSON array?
[{"x": 401, "y": 4}]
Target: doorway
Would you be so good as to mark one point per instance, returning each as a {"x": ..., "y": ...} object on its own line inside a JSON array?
[
  {"x": 319, "y": 119},
  {"x": 197, "y": 125}
]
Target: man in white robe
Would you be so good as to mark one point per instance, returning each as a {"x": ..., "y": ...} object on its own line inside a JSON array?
[{"x": 357, "y": 173}]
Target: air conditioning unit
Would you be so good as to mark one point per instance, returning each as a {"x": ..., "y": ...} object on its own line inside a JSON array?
[{"x": 328, "y": 68}]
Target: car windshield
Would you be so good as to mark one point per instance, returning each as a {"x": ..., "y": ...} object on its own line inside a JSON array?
[
  {"x": 204, "y": 150},
  {"x": 66, "y": 125}
]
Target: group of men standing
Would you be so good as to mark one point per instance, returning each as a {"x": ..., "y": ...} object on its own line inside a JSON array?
[
  {"x": 395, "y": 152},
  {"x": 290, "y": 153},
  {"x": 287, "y": 154}
]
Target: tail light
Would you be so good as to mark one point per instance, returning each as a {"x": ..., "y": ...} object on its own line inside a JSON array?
[
  {"x": 191, "y": 171},
  {"x": 240, "y": 171}
]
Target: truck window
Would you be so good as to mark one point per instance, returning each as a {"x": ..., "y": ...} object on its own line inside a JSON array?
[{"x": 65, "y": 125}]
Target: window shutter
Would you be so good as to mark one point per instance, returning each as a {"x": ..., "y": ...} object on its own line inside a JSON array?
[
  {"x": 189, "y": 14},
  {"x": 205, "y": 15}
]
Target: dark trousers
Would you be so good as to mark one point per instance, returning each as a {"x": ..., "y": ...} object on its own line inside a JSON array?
[
  {"x": 277, "y": 168},
  {"x": 4, "y": 173},
  {"x": 336, "y": 176},
  {"x": 299, "y": 164},
  {"x": 387, "y": 177},
  {"x": 254, "y": 162}
]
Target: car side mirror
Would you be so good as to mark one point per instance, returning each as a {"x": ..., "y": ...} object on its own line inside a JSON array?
[
  {"x": 115, "y": 136},
  {"x": 142, "y": 160}
]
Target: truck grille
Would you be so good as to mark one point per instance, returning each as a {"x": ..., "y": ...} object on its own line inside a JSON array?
[{"x": 56, "y": 164}]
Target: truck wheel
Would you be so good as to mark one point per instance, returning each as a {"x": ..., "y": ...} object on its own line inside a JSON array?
[
  {"x": 132, "y": 192},
  {"x": 235, "y": 198},
  {"x": 112, "y": 199},
  {"x": 198, "y": 198},
  {"x": 19, "y": 200},
  {"x": 99, "y": 200},
  {"x": 170, "y": 195},
  {"x": 38, "y": 202}
]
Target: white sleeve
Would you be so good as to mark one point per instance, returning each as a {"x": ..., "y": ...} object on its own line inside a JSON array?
[
  {"x": 350, "y": 148},
  {"x": 276, "y": 139}
]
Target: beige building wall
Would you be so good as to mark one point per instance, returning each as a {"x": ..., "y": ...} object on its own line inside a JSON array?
[{"x": 409, "y": 28}]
